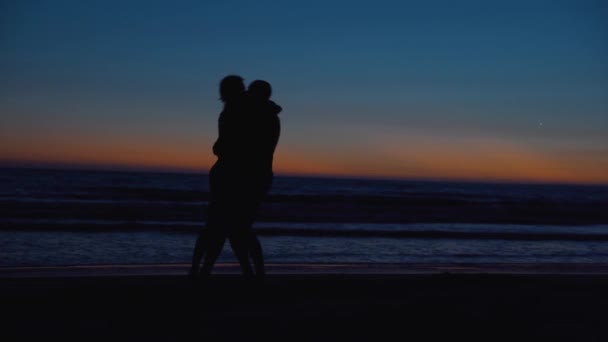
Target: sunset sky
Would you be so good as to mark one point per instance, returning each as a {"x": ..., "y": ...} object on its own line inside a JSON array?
[{"x": 473, "y": 90}]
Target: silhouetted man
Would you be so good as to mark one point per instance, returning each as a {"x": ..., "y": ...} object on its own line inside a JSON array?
[{"x": 265, "y": 129}]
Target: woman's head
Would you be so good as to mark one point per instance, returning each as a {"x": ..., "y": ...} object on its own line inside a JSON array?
[{"x": 231, "y": 87}]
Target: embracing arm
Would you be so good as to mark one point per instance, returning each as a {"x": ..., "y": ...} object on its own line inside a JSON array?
[{"x": 275, "y": 109}]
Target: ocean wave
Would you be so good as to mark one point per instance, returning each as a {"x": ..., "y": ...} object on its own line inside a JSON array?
[
  {"x": 319, "y": 210},
  {"x": 476, "y": 232}
]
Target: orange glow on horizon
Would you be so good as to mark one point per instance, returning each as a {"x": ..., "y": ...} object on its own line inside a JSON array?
[
  {"x": 473, "y": 160},
  {"x": 430, "y": 158}
]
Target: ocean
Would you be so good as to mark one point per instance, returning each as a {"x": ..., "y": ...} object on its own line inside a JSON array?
[{"x": 77, "y": 217}]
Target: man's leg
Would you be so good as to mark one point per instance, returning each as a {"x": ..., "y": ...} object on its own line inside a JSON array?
[
  {"x": 240, "y": 246},
  {"x": 214, "y": 245}
]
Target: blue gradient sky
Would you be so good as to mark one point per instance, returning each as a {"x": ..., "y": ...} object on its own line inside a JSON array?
[{"x": 480, "y": 90}]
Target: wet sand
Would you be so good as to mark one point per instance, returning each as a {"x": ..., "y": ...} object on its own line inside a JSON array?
[{"x": 504, "y": 302}]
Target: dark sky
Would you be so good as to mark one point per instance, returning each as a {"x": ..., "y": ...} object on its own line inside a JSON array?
[{"x": 481, "y": 90}]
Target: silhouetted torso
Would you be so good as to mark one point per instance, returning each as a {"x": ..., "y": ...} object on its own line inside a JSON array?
[
  {"x": 228, "y": 147},
  {"x": 249, "y": 131},
  {"x": 265, "y": 130}
]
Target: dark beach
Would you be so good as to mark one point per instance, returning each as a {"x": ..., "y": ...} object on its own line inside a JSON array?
[{"x": 306, "y": 302}]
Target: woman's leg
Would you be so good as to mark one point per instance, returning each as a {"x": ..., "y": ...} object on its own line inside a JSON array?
[
  {"x": 255, "y": 247},
  {"x": 210, "y": 240},
  {"x": 209, "y": 245},
  {"x": 257, "y": 256},
  {"x": 199, "y": 252}
]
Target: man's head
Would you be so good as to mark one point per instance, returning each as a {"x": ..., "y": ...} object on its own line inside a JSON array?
[{"x": 260, "y": 89}]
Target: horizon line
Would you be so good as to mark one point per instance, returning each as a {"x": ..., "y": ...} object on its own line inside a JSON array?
[{"x": 43, "y": 165}]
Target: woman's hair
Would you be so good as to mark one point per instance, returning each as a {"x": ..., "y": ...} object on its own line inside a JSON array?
[
  {"x": 231, "y": 87},
  {"x": 260, "y": 89}
]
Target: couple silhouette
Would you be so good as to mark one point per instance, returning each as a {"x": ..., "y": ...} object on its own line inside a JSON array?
[{"x": 249, "y": 129}]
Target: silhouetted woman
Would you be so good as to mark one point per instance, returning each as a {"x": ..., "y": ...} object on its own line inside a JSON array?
[{"x": 225, "y": 217}]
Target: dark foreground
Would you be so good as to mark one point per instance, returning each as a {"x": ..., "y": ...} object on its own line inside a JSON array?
[{"x": 408, "y": 307}]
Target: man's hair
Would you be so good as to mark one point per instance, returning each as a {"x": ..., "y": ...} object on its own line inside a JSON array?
[
  {"x": 260, "y": 89},
  {"x": 231, "y": 87}
]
